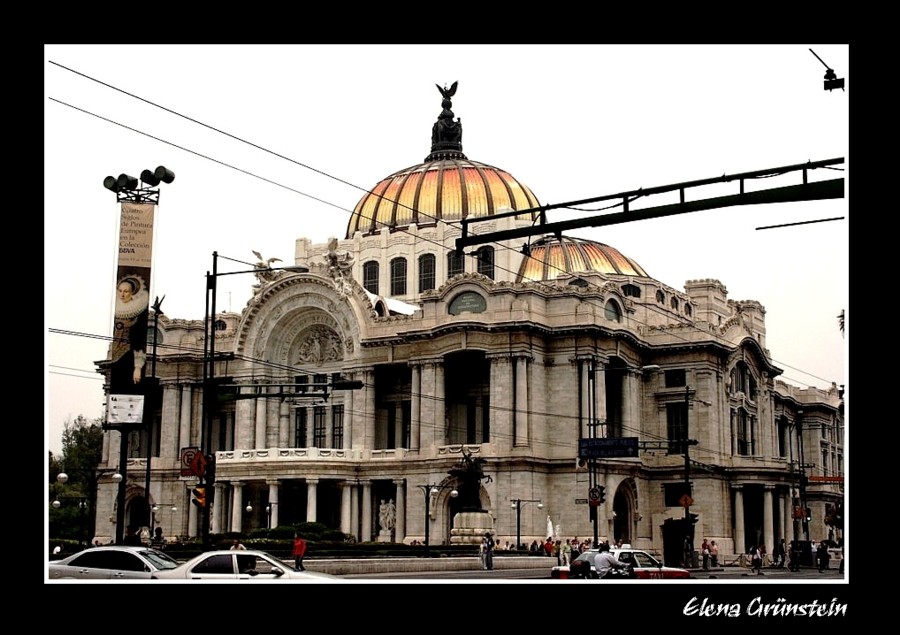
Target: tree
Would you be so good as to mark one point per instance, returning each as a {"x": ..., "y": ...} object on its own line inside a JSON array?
[
  {"x": 82, "y": 448},
  {"x": 840, "y": 318}
]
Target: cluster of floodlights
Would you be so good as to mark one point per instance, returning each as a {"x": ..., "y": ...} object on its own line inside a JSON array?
[{"x": 128, "y": 182}]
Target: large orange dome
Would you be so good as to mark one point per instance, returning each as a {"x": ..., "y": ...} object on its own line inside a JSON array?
[{"x": 447, "y": 189}]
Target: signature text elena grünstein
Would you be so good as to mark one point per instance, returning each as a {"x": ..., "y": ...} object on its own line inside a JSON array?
[{"x": 758, "y": 608}]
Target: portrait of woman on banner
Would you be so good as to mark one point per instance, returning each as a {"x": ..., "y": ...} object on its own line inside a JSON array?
[{"x": 128, "y": 348}]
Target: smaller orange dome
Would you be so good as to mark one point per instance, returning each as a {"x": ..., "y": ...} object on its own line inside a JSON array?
[{"x": 551, "y": 256}]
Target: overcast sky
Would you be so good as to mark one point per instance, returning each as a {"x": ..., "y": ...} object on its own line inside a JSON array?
[{"x": 270, "y": 143}]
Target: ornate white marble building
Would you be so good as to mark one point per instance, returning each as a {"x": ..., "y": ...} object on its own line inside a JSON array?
[{"x": 510, "y": 357}]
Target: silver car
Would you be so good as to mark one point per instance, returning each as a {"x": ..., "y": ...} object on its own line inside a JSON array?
[
  {"x": 244, "y": 564},
  {"x": 113, "y": 562}
]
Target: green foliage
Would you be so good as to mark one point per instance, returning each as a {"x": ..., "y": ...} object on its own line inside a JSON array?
[{"x": 311, "y": 531}]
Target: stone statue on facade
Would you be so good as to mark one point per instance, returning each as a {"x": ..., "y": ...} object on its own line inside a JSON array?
[
  {"x": 339, "y": 266},
  {"x": 263, "y": 269},
  {"x": 387, "y": 515}
]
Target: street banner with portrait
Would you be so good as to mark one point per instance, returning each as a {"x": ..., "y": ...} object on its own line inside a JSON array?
[{"x": 128, "y": 350}]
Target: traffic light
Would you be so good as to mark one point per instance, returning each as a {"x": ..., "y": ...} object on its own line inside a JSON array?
[
  {"x": 602, "y": 489},
  {"x": 199, "y": 499},
  {"x": 808, "y": 514},
  {"x": 209, "y": 476}
]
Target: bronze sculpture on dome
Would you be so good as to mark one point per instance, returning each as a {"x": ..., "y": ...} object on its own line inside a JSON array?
[{"x": 446, "y": 134}]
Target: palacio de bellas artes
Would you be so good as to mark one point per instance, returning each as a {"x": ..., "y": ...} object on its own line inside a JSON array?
[{"x": 373, "y": 365}]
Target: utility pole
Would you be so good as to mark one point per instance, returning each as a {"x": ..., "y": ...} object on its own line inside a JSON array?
[{"x": 687, "y": 471}]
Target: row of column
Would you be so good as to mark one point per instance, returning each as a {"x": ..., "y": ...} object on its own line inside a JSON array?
[
  {"x": 351, "y": 518},
  {"x": 769, "y": 534}
]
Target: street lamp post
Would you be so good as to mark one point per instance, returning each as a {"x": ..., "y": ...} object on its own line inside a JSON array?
[
  {"x": 209, "y": 375},
  {"x": 429, "y": 491},
  {"x": 517, "y": 505},
  {"x": 269, "y": 514},
  {"x": 126, "y": 189}
]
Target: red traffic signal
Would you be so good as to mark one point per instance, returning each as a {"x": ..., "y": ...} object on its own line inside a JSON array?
[{"x": 199, "y": 499}]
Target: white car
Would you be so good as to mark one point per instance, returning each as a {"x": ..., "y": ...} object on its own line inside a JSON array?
[
  {"x": 245, "y": 564},
  {"x": 113, "y": 562}
]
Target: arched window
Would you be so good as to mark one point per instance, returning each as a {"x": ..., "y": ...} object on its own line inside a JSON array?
[
  {"x": 456, "y": 264},
  {"x": 398, "y": 277},
  {"x": 688, "y": 309},
  {"x": 660, "y": 297},
  {"x": 631, "y": 290},
  {"x": 370, "y": 276},
  {"x": 220, "y": 325},
  {"x": 426, "y": 272},
  {"x": 674, "y": 303},
  {"x": 485, "y": 256},
  {"x": 613, "y": 312}
]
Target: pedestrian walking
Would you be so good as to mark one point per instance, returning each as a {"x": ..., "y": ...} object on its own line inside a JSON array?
[
  {"x": 487, "y": 552},
  {"x": 714, "y": 553},
  {"x": 299, "y": 552},
  {"x": 780, "y": 554},
  {"x": 704, "y": 551},
  {"x": 756, "y": 559},
  {"x": 824, "y": 556},
  {"x": 794, "y": 557}
]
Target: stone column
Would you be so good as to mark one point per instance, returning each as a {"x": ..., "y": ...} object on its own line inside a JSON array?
[
  {"x": 259, "y": 428},
  {"x": 427, "y": 410},
  {"x": 168, "y": 430},
  {"x": 600, "y": 394},
  {"x": 369, "y": 419},
  {"x": 630, "y": 388},
  {"x": 440, "y": 406},
  {"x": 414, "y": 407},
  {"x": 220, "y": 502},
  {"x": 400, "y": 502},
  {"x": 346, "y": 515},
  {"x": 768, "y": 520},
  {"x": 354, "y": 511},
  {"x": 184, "y": 428},
  {"x": 329, "y": 424},
  {"x": 787, "y": 516},
  {"x": 366, "y": 511},
  {"x": 740, "y": 544},
  {"x": 584, "y": 397},
  {"x": 284, "y": 424},
  {"x": 521, "y": 431},
  {"x": 244, "y": 418},
  {"x": 311, "y": 485},
  {"x": 350, "y": 419},
  {"x": 273, "y": 501},
  {"x": 501, "y": 402},
  {"x": 237, "y": 505},
  {"x": 267, "y": 435}
]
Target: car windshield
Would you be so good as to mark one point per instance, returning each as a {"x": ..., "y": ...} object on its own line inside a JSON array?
[{"x": 159, "y": 559}]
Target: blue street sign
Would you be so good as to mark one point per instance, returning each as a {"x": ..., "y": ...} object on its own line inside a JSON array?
[{"x": 608, "y": 448}]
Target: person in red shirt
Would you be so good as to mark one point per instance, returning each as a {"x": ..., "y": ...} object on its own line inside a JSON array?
[{"x": 299, "y": 552}]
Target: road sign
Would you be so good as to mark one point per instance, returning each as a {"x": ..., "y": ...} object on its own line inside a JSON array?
[
  {"x": 594, "y": 496},
  {"x": 581, "y": 501},
  {"x": 187, "y": 459},
  {"x": 686, "y": 501},
  {"x": 609, "y": 447}
]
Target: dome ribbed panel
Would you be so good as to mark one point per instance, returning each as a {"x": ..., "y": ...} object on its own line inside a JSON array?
[
  {"x": 427, "y": 201},
  {"x": 451, "y": 194},
  {"x": 365, "y": 216},
  {"x": 497, "y": 187},
  {"x": 388, "y": 207},
  {"x": 407, "y": 198},
  {"x": 476, "y": 193}
]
